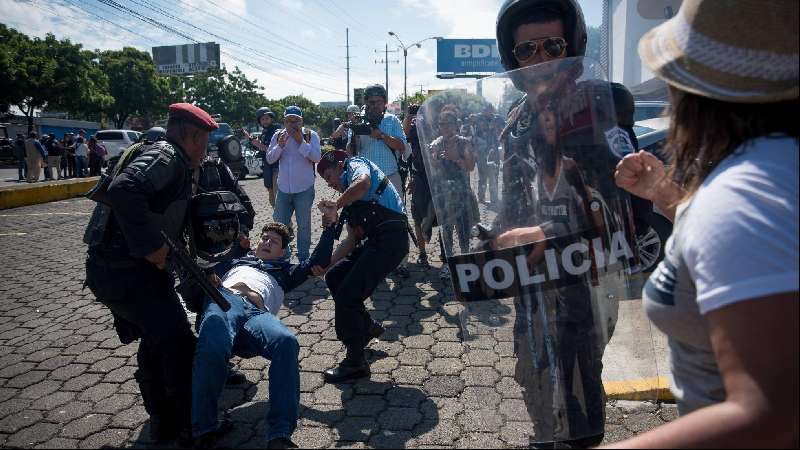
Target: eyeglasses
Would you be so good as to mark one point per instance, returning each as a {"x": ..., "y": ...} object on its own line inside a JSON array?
[{"x": 554, "y": 47}]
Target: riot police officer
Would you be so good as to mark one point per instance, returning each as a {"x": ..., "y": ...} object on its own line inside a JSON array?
[
  {"x": 374, "y": 211},
  {"x": 127, "y": 259},
  {"x": 266, "y": 119}
]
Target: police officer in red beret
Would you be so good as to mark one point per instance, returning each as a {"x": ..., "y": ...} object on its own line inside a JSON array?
[{"x": 125, "y": 267}]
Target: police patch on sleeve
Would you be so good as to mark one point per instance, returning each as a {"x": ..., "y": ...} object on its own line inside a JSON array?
[{"x": 619, "y": 142}]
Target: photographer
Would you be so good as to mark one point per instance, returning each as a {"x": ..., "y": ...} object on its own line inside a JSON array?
[
  {"x": 380, "y": 139},
  {"x": 342, "y": 133}
]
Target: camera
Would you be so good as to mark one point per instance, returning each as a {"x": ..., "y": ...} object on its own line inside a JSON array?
[
  {"x": 361, "y": 126},
  {"x": 413, "y": 110}
]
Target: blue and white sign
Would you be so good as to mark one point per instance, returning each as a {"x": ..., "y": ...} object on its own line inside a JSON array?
[{"x": 462, "y": 56}]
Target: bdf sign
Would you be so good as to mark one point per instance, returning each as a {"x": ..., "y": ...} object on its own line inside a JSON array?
[{"x": 460, "y": 57}]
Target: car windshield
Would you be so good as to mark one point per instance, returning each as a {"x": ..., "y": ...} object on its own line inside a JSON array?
[
  {"x": 217, "y": 135},
  {"x": 109, "y": 136}
]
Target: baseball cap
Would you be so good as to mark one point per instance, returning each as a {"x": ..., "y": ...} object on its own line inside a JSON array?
[
  {"x": 193, "y": 114},
  {"x": 293, "y": 111},
  {"x": 330, "y": 159}
]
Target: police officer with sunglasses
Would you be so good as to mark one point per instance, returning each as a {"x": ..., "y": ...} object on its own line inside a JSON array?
[{"x": 532, "y": 32}]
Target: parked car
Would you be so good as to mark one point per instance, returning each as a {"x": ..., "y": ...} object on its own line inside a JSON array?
[
  {"x": 116, "y": 141},
  {"x": 644, "y": 110},
  {"x": 651, "y": 237},
  {"x": 6, "y": 146}
]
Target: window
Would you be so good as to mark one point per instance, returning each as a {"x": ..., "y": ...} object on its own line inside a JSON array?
[
  {"x": 110, "y": 136},
  {"x": 133, "y": 136}
]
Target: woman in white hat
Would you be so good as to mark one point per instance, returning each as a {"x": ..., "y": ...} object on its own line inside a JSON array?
[{"x": 726, "y": 293}]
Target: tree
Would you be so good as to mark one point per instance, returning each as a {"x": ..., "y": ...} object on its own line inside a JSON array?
[
  {"x": 229, "y": 94},
  {"x": 593, "y": 43},
  {"x": 134, "y": 84},
  {"x": 41, "y": 73}
]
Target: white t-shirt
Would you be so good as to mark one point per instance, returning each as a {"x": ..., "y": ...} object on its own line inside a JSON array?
[
  {"x": 735, "y": 240},
  {"x": 260, "y": 282}
]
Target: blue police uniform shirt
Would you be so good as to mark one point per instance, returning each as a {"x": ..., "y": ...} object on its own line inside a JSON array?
[{"x": 357, "y": 166}]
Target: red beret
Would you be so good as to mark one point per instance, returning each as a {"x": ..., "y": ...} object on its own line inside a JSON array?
[
  {"x": 330, "y": 159},
  {"x": 193, "y": 114}
]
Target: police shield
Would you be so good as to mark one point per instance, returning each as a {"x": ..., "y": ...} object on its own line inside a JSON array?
[{"x": 539, "y": 240}]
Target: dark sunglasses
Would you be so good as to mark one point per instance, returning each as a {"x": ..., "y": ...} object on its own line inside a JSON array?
[{"x": 554, "y": 47}]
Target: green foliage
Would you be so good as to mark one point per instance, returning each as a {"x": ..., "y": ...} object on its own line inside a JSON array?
[
  {"x": 593, "y": 43},
  {"x": 48, "y": 73},
  {"x": 133, "y": 82},
  {"x": 229, "y": 94}
]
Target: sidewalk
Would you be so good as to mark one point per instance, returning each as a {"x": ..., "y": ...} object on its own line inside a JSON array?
[{"x": 26, "y": 194}]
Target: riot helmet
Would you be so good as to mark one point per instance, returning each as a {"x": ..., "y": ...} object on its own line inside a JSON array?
[
  {"x": 155, "y": 134},
  {"x": 513, "y": 10},
  {"x": 264, "y": 111},
  {"x": 215, "y": 224}
]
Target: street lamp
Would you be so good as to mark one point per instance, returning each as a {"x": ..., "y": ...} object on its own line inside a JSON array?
[{"x": 405, "y": 59}]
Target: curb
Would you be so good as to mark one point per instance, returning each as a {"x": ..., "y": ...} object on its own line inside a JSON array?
[
  {"x": 14, "y": 196},
  {"x": 654, "y": 388}
]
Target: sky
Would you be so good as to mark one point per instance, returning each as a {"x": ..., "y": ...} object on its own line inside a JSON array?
[{"x": 289, "y": 46}]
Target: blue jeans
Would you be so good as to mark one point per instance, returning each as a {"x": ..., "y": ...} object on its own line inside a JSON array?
[
  {"x": 300, "y": 204},
  {"x": 80, "y": 166},
  {"x": 245, "y": 331}
]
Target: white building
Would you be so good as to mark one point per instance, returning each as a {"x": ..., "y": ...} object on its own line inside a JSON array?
[{"x": 627, "y": 21}]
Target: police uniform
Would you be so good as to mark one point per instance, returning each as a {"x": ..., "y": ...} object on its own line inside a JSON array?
[
  {"x": 150, "y": 194},
  {"x": 381, "y": 215}
]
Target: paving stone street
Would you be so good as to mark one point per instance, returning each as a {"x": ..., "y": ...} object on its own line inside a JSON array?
[{"x": 67, "y": 382}]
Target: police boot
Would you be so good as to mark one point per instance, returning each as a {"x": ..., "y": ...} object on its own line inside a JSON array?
[{"x": 353, "y": 366}]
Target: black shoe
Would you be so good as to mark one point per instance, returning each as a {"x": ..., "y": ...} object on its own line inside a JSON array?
[
  {"x": 209, "y": 440},
  {"x": 375, "y": 330},
  {"x": 281, "y": 443},
  {"x": 235, "y": 376},
  {"x": 162, "y": 429},
  {"x": 347, "y": 371}
]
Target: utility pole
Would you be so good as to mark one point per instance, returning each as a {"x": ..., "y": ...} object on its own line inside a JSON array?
[
  {"x": 386, "y": 61},
  {"x": 347, "y": 44}
]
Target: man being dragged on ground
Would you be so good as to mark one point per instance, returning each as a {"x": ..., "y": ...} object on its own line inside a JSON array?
[{"x": 255, "y": 284}]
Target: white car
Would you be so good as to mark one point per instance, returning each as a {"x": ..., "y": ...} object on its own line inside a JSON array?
[{"x": 116, "y": 141}]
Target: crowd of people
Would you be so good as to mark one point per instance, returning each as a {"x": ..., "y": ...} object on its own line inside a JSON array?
[
  {"x": 69, "y": 157},
  {"x": 731, "y": 191}
]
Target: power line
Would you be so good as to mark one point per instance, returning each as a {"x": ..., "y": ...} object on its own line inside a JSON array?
[
  {"x": 188, "y": 37},
  {"x": 145, "y": 4}
]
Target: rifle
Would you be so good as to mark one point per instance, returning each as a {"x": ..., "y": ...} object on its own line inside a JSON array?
[{"x": 195, "y": 273}]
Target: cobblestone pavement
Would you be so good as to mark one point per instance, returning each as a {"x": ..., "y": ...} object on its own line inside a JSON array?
[{"x": 66, "y": 381}]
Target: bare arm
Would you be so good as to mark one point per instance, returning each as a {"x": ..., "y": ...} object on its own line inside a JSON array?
[
  {"x": 356, "y": 191},
  {"x": 756, "y": 346}
]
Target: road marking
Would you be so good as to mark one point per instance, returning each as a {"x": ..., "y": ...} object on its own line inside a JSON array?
[
  {"x": 46, "y": 214},
  {"x": 13, "y": 234}
]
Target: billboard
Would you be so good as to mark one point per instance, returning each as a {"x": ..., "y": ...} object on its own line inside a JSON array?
[
  {"x": 186, "y": 59},
  {"x": 465, "y": 57},
  {"x": 358, "y": 96}
]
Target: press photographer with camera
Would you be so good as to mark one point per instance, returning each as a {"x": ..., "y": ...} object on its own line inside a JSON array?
[{"x": 342, "y": 132}]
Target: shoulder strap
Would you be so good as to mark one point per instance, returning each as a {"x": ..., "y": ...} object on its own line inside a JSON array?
[{"x": 381, "y": 187}]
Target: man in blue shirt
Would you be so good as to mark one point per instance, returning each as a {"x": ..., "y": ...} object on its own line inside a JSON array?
[
  {"x": 385, "y": 143},
  {"x": 374, "y": 211}
]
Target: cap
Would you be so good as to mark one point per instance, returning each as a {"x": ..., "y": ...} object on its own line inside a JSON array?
[
  {"x": 353, "y": 109},
  {"x": 193, "y": 114},
  {"x": 293, "y": 111},
  {"x": 330, "y": 159}
]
